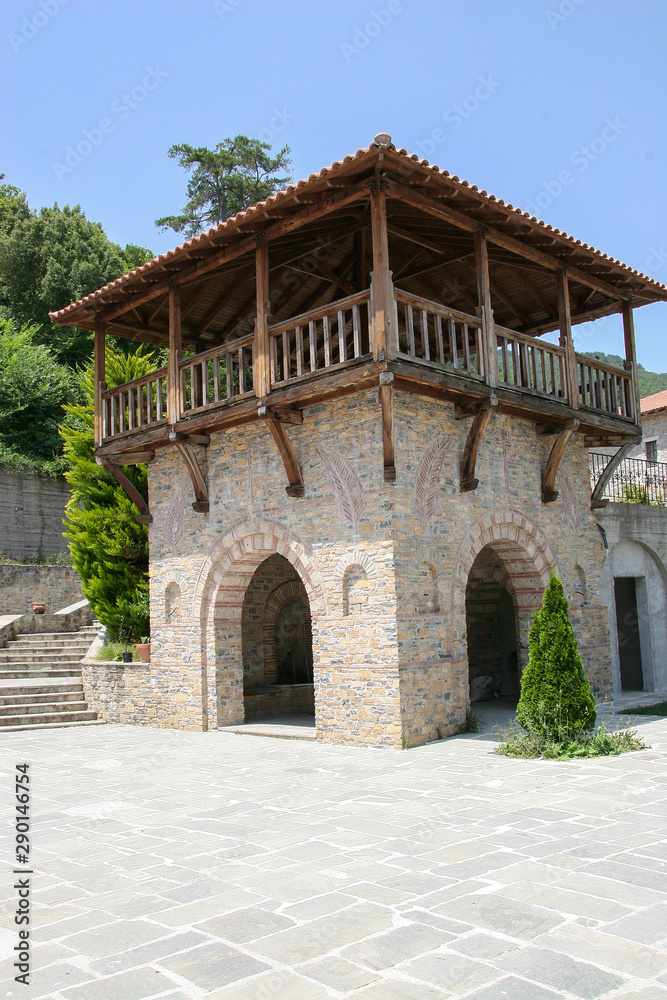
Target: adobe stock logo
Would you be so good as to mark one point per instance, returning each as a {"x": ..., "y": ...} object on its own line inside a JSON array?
[
  {"x": 32, "y": 25},
  {"x": 122, "y": 107},
  {"x": 364, "y": 34}
]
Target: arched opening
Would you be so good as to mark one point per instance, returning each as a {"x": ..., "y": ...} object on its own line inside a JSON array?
[
  {"x": 492, "y": 627},
  {"x": 277, "y": 645}
]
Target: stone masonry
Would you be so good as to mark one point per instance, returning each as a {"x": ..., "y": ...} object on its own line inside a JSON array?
[{"x": 385, "y": 566}]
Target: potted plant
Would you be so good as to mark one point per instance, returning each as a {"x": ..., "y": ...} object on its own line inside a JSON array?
[
  {"x": 144, "y": 649},
  {"x": 38, "y": 607}
]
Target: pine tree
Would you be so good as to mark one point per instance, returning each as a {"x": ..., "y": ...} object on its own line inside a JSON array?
[
  {"x": 556, "y": 700},
  {"x": 109, "y": 548}
]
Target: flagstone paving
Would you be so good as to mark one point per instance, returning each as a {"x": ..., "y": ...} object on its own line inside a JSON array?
[{"x": 192, "y": 865}]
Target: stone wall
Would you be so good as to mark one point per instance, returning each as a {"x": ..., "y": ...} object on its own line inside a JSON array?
[
  {"x": 20, "y": 585},
  {"x": 385, "y": 565},
  {"x": 31, "y": 515},
  {"x": 636, "y": 536}
]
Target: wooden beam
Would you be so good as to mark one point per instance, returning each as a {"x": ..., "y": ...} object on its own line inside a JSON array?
[
  {"x": 347, "y": 286},
  {"x": 549, "y": 494},
  {"x": 144, "y": 516},
  {"x": 100, "y": 382},
  {"x": 420, "y": 241},
  {"x": 386, "y": 395},
  {"x": 132, "y": 458},
  {"x": 287, "y": 453},
  {"x": 382, "y": 297},
  {"x": 201, "y": 504},
  {"x": 610, "y": 468},
  {"x": 262, "y": 372},
  {"x": 486, "y": 311},
  {"x": 325, "y": 206},
  {"x": 463, "y": 221},
  {"x": 175, "y": 354},
  {"x": 473, "y": 441},
  {"x": 631, "y": 356},
  {"x": 566, "y": 341}
]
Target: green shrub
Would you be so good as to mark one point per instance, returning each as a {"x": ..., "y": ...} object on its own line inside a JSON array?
[
  {"x": 513, "y": 742},
  {"x": 556, "y": 701}
]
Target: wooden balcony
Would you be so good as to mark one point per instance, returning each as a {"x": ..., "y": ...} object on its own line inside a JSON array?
[{"x": 327, "y": 351}]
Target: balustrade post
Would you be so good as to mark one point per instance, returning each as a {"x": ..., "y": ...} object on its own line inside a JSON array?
[
  {"x": 631, "y": 358},
  {"x": 383, "y": 302},
  {"x": 565, "y": 340},
  {"x": 100, "y": 381},
  {"x": 484, "y": 297},
  {"x": 261, "y": 360},
  {"x": 175, "y": 355}
]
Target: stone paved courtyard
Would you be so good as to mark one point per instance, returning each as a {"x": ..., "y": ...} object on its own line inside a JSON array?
[{"x": 225, "y": 866}]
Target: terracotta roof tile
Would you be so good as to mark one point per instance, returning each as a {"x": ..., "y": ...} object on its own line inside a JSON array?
[{"x": 658, "y": 401}]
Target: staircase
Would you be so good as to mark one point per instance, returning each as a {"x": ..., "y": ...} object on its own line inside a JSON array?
[{"x": 40, "y": 681}]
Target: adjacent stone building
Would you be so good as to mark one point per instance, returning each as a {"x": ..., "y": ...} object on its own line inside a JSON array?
[{"x": 367, "y": 464}]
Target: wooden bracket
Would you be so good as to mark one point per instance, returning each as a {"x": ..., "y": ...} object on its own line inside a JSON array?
[
  {"x": 472, "y": 405},
  {"x": 473, "y": 441},
  {"x": 386, "y": 395},
  {"x": 596, "y": 497},
  {"x": 549, "y": 494},
  {"x": 287, "y": 453},
  {"x": 144, "y": 516},
  {"x": 184, "y": 445},
  {"x": 288, "y": 416}
]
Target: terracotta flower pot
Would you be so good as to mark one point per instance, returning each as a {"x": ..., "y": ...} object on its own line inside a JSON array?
[
  {"x": 144, "y": 651},
  {"x": 38, "y": 607}
]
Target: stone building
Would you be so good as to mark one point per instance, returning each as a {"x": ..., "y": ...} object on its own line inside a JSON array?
[{"x": 364, "y": 459}]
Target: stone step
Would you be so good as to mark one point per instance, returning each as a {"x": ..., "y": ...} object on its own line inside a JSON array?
[
  {"x": 49, "y": 697},
  {"x": 44, "y": 708},
  {"x": 51, "y": 725},
  {"x": 44, "y": 636},
  {"x": 33, "y": 648},
  {"x": 38, "y": 672},
  {"x": 41, "y": 686},
  {"x": 26, "y": 719},
  {"x": 67, "y": 656}
]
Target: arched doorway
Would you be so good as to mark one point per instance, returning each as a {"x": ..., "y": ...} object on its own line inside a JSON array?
[
  {"x": 277, "y": 642},
  {"x": 218, "y": 605},
  {"x": 492, "y": 629}
]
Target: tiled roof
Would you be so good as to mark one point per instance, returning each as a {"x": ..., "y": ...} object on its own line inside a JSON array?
[
  {"x": 139, "y": 275},
  {"x": 658, "y": 401}
]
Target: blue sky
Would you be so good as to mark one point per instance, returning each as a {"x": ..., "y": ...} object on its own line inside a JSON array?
[{"x": 509, "y": 95}]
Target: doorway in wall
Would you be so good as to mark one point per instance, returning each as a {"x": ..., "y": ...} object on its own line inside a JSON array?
[{"x": 627, "y": 625}]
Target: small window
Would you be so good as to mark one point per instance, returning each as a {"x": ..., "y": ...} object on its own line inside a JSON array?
[{"x": 651, "y": 451}]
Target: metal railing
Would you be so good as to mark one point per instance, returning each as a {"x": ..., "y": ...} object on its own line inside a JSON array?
[{"x": 634, "y": 481}]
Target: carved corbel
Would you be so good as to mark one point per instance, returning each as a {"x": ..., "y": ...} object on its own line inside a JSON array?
[
  {"x": 597, "y": 500},
  {"x": 549, "y": 494},
  {"x": 144, "y": 516},
  {"x": 185, "y": 446},
  {"x": 287, "y": 453},
  {"x": 386, "y": 395},
  {"x": 473, "y": 441}
]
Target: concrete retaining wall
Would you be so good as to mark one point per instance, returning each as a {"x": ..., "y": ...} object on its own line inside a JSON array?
[{"x": 31, "y": 515}]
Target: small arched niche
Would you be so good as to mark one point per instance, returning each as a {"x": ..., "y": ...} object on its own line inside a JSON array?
[
  {"x": 356, "y": 588},
  {"x": 428, "y": 596},
  {"x": 172, "y": 603}
]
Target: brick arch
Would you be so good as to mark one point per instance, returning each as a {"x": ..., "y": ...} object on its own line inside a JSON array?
[
  {"x": 522, "y": 547},
  {"x": 234, "y": 558},
  {"x": 218, "y": 605}
]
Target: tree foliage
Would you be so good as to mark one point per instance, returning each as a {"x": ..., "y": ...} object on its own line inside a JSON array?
[
  {"x": 33, "y": 390},
  {"x": 109, "y": 548},
  {"x": 225, "y": 180},
  {"x": 51, "y": 258},
  {"x": 556, "y": 701}
]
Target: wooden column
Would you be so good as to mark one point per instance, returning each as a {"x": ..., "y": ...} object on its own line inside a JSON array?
[
  {"x": 383, "y": 303},
  {"x": 486, "y": 310},
  {"x": 100, "y": 381},
  {"x": 631, "y": 357},
  {"x": 175, "y": 354},
  {"x": 566, "y": 341},
  {"x": 262, "y": 363}
]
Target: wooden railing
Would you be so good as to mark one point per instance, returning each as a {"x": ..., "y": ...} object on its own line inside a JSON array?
[
  {"x": 134, "y": 405},
  {"x": 320, "y": 339},
  {"x": 605, "y": 388},
  {"x": 218, "y": 376},
  {"x": 437, "y": 336},
  {"x": 531, "y": 365}
]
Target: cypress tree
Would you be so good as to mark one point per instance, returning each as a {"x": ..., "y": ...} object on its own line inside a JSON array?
[{"x": 556, "y": 700}]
